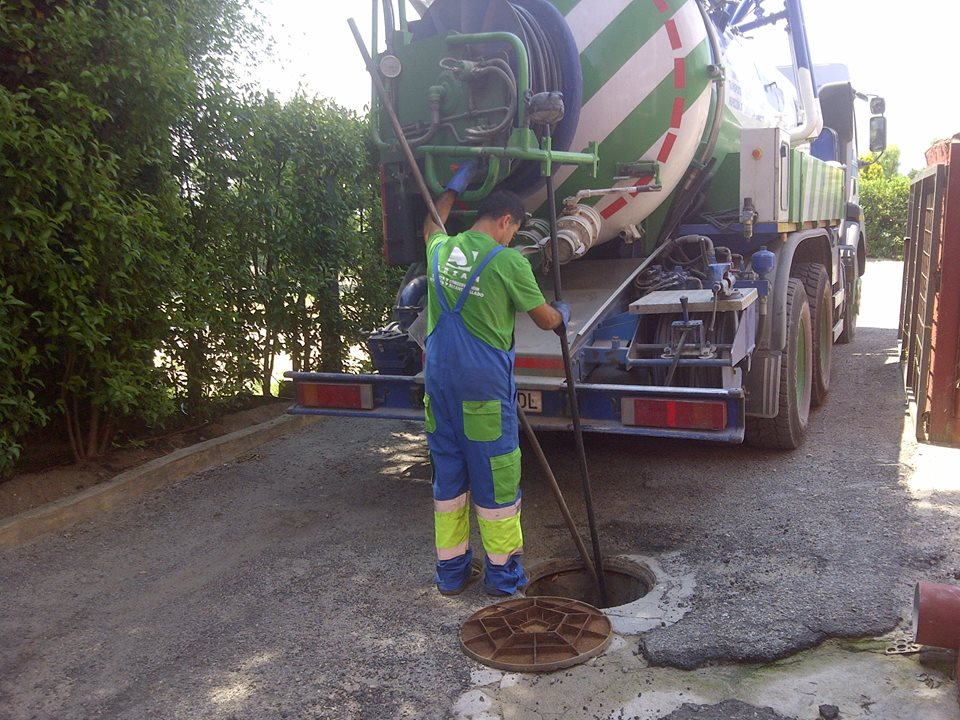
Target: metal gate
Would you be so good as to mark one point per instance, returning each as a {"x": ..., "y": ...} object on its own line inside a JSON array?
[{"x": 930, "y": 304}]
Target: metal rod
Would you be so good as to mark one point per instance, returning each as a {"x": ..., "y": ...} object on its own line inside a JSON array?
[
  {"x": 572, "y": 393},
  {"x": 392, "y": 114},
  {"x": 557, "y": 493}
]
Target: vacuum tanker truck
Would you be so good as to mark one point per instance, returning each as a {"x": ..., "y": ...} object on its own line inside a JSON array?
[{"x": 705, "y": 206}]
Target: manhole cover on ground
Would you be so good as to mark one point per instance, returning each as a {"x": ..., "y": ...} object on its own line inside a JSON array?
[
  {"x": 626, "y": 581},
  {"x": 535, "y": 634}
]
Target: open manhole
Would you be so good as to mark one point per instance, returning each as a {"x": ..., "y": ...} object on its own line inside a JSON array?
[
  {"x": 626, "y": 581},
  {"x": 535, "y": 634}
]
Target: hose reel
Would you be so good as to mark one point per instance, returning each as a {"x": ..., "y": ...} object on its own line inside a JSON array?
[{"x": 553, "y": 66}]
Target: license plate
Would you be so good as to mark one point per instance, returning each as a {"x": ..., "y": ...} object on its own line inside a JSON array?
[{"x": 530, "y": 400}]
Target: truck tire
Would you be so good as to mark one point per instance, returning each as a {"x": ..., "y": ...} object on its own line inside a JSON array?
[
  {"x": 851, "y": 305},
  {"x": 816, "y": 281},
  {"x": 787, "y": 430}
]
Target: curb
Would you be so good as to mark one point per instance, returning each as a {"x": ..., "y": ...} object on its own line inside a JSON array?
[{"x": 25, "y": 526}]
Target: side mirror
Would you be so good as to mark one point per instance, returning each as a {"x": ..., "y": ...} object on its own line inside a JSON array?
[
  {"x": 878, "y": 106},
  {"x": 878, "y": 134}
]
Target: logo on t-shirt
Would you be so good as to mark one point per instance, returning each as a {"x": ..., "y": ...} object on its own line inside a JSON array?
[
  {"x": 458, "y": 259},
  {"x": 456, "y": 271}
]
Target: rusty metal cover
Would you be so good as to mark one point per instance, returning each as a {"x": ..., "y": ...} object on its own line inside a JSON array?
[{"x": 535, "y": 634}]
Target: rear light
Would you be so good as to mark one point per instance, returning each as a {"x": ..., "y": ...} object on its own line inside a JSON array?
[
  {"x": 675, "y": 414},
  {"x": 341, "y": 396},
  {"x": 536, "y": 362}
]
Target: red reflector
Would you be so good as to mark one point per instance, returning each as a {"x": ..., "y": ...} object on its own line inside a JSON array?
[
  {"x": 676, "y": 414},
  {"x": 344, "y": 396},
  {"x": 531, "y": 362}
]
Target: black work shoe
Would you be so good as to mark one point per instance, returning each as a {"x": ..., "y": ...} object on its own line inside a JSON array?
[
  {"x": 476, "y": 570},
  {"x": 495, "y": 592}
]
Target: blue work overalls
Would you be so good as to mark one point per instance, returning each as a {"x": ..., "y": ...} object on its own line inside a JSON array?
[{"x": 471, "y": 418}]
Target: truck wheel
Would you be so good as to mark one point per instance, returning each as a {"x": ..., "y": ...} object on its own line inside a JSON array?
[
  {"x": 851, "y": 306},
  {"x": 786, "y": 431},
  {"x": 816, "y": 281}
]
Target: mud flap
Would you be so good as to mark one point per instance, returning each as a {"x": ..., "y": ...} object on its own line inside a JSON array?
[{"x": 762, "y": 385}]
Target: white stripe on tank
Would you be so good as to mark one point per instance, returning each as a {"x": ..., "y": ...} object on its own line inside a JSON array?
[
  {"x": 651, "y": 65},
  {"x": 670, "y": 172},
  {"x": 591, "y": 17}
]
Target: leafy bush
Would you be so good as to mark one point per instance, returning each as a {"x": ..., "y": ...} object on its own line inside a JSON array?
[
  {"x": 89, "y": 93},
  {"x": 885, "y": 203},
  {"x": 83, "y": 264},
  {"x": 164, "y": 236},
  {"x": 885, "y": 199}
]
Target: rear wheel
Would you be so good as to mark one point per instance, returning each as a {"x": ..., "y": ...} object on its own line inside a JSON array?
[
  {"x": 787, "y": 430},
  {"x": 816, "y": 281}
]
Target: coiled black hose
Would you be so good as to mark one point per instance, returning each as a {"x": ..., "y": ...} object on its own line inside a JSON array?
[
  {"x": 546, "y": 75},
  {"x": 503, "y": 70}
]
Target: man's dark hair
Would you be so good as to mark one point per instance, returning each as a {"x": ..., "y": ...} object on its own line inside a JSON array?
[{"x": 500, "y": 203}]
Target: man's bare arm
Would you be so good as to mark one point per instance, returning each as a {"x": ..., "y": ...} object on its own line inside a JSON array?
[
  {"x": 444, "y": 206},
  {"x": 545, "y": 317}
]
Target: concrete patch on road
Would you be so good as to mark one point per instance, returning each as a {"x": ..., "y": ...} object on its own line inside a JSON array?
[
  {"x": 855, "y": 676},
  {"x": 475, "y": 705},
  {"x": 667, "y": 601},
  {"x": 728, "y": 710}
]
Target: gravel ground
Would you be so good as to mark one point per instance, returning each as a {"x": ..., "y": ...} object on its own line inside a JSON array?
[{"x": 299, "y": 584}]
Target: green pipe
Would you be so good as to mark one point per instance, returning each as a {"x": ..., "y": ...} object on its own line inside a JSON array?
[
  {"x": 405, "y": 36},
  {"x": 517, "y": 152},
  {"x": 523, "y": 63},
  {"x": 514, "y": 153},
  {"x": 493, "y": 174},
  {"x": 374, "y": 99}
]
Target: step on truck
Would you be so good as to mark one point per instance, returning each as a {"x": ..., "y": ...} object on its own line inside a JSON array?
[{"x": 709, "y": 232}]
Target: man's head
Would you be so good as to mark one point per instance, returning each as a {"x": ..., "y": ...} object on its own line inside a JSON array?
[{"x": 500, "y": 215}]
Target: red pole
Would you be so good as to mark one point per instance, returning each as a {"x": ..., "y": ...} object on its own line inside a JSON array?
[{"x": 936, "y": 615}]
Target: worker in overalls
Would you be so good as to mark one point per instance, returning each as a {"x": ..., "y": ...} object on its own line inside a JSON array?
[{"x": 476, "y": 287}]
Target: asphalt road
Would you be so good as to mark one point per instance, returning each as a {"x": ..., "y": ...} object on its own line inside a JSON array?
[{"x": 299, "y": 584}]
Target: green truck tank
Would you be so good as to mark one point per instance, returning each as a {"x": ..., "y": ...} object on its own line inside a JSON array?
[{"x": 711, "y": 241}]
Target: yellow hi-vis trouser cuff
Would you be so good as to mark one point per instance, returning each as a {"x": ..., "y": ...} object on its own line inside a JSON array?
[
  {"x": 451, "y": 524},
  {"x": 501, "y": 538}
]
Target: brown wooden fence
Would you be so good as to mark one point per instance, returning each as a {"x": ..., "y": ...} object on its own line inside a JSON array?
[{"x": 930, "y": 305}]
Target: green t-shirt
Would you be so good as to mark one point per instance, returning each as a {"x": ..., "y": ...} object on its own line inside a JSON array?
[{"x": 505, "y": 287}]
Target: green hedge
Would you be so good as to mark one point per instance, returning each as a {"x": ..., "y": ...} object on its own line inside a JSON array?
[
  {"x": 163, "y": 234},
  {"x": 885, "y": 203}
]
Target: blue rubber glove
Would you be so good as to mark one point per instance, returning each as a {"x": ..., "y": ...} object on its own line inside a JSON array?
[
  {"x": 462, "y": 177},
  {"x": 564, "y": 310}
]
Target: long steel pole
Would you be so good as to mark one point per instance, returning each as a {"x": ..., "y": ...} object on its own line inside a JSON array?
[
  {"x": 557, "y": 493},
  {"x": 395, "y": 121},
  {"x": 572, "y": 395}
]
